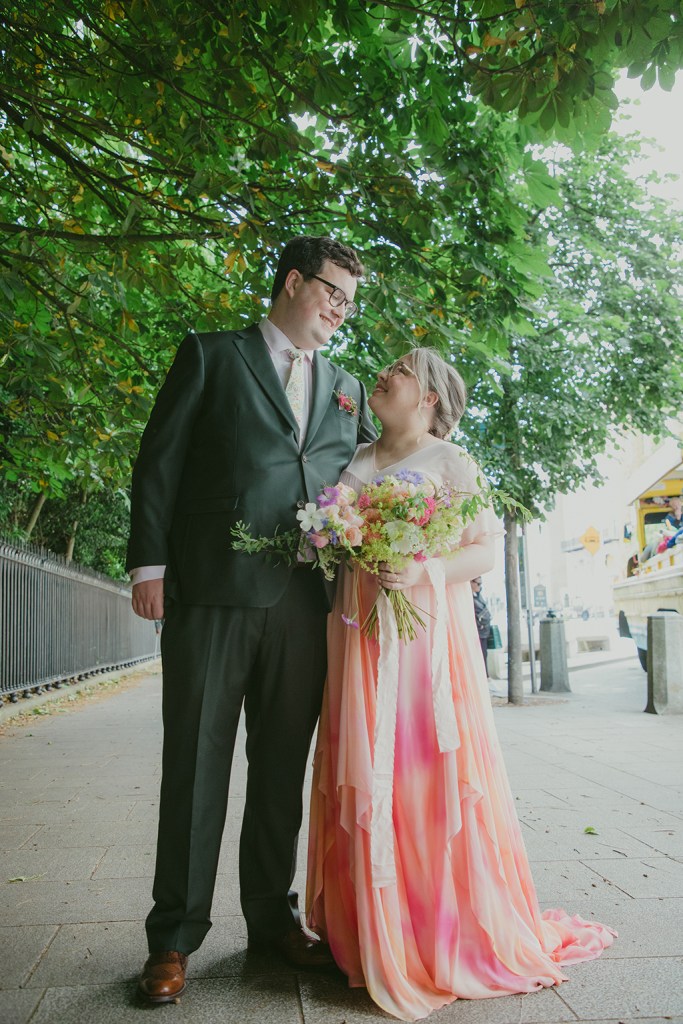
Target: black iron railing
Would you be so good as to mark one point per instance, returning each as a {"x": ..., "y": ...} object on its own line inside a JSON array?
[{"x": 60, "y": 622}]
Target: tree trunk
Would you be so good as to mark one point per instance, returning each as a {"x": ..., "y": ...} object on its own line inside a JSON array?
[
  {"x": 72, "y": 538},
  {"x": 40, "y": 501},
  {"x": 71, "y": 543},
  {"x": 515, "y": 682}
]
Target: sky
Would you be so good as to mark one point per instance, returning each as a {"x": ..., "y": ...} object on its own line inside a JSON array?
[{"x": 656, "y": 115}]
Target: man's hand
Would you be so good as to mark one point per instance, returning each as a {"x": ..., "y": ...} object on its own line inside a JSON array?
[{"x": 148, "y": 599}]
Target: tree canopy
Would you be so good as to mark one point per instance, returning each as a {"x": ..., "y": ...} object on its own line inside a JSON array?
[
  {"x": 603, "y": 353},
  {"x": 156, "y": 156}
]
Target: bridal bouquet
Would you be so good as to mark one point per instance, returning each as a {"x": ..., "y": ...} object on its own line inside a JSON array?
[{"x": 395, "y": 519}]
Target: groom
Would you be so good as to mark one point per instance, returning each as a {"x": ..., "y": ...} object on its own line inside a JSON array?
[{"x": 249, "y": 425}]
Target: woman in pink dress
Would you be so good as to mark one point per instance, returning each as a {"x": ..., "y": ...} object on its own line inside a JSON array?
[{"x": 417, "y": 873}]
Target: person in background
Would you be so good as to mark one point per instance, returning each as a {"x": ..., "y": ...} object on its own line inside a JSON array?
[
  {"x": 483, "y": 618},
  {"x": 674, "y": 519},
  {"x": 669, "y": 530}
]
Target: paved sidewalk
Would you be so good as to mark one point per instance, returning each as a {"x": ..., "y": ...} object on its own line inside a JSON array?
[{"x": 77, "y": 830}]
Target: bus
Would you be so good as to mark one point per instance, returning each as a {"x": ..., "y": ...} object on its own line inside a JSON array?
[{"x": 652, "y": 581}]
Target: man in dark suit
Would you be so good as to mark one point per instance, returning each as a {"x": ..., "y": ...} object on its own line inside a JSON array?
[{"x": 226, "y": 443}]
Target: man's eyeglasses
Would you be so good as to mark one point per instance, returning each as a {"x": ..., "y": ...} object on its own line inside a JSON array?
[{"x": 338, "y": 297}]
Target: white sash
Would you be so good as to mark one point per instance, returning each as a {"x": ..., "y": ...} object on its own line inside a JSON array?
[{"x": 381, "y": 825}]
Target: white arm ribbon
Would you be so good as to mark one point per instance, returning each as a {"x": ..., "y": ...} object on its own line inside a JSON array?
[
  {"x": 442, "y": 692},
  {"x": 381, "y": 823},
  {"x": 382, "y": 858}
]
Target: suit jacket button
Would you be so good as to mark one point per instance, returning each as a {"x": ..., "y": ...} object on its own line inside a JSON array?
[
  {"x": 300, "y": 504},
  {"x": 304, "y": 458}
]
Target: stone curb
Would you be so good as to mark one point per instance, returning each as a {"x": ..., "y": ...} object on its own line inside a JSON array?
[{"x": 26, "y": 705}]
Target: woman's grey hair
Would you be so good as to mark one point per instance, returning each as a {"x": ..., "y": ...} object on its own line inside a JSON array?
[{"x": 435, "y": 374}]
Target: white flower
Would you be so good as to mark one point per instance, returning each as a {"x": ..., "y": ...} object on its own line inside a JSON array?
[
  {"x": 311, "y": 517},
  {"x": 404, "y": 538}
]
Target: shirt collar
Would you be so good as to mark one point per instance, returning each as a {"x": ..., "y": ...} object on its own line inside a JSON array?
[{"x": 277, "y": 341}]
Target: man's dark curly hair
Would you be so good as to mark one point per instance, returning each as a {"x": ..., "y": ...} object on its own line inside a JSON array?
[{"x": 307, "y": 255}]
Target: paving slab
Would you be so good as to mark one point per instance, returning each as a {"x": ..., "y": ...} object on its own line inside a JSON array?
[
  {"x": 37, "y": 901},
  {"x": 50, "y": 865},
  {"x": 253, "y": 1000},
  {"x": 80, "y": 800},
  {"x": 560, "y": 881},
  {"x": 612, "y": 987},
  {"x": 100, "y": 833},
  {"x": 75, "y": 810},
  {"x": 329, "y": 1000},
  {"x": 23, "y": 947},
  {"x": 656, "y": 876},
  {"x": 661, "y": 840},
  {"x": 90, "y": 954},
  {"x": 642, "y": 816},
  {"x": 17, "y": 1005},
  {"x": 557, "y": 842},
  {"x": 127, "y": 862},
  {"x": 13, "y": 837},
  {"x": 646, "y": 927}
]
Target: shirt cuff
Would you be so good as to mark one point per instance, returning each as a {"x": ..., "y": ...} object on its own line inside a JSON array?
[{"x": 147, "y": 572}]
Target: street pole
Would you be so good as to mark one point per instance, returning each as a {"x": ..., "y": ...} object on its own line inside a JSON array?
[{"x": 529, "y": 610}]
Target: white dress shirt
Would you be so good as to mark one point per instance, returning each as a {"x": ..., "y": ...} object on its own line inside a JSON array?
[{"x": 279, "y": 347}]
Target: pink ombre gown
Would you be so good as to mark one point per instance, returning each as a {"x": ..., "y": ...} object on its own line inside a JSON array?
[{"x": 432, "y": 898}]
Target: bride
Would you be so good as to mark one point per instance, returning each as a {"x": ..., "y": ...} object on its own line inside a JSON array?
[{"x": 417, "y": 873}]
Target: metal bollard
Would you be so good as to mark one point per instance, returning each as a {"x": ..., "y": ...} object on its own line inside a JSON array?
[
  {"x": 664, "y": 663},
  {"x": 554, "y": 671}
]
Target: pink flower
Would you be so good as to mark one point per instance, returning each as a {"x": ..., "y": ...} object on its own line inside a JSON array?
[
  {"x": 420, "y": 557},
  {"x": 364, "y": 501},
  {"x": 428, "y": 512},
  {"x": 346, "y": 403},
  {"x": 349, "y": 516},
  {"x": 318, "y": 540},
  {"x": 346, "y": 495},
  {"x": 353, "y": 536}
]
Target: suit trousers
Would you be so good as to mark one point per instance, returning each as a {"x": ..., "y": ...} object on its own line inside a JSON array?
[{"x": 215, "y": 659}]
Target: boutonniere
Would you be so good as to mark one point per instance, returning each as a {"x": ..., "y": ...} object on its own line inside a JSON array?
[{"x": 346, "y": 403}]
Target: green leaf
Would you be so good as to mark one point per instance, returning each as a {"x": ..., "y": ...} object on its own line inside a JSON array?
[
  {"x": 564, "y": 109},
  {"x": 547, "y": 118},
  {"x": 667, "y": 77},
  {"x": 541, "y": 186}
]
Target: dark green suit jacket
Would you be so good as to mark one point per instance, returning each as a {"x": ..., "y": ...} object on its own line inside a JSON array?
[{"x": 222, "y": 445}]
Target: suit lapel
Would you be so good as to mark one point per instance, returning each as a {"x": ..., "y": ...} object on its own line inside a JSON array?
[
  {"x": 253, "y": 349},
  {"x": 324, "y": 378}
]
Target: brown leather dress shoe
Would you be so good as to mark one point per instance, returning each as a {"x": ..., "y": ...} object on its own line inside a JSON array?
[
  {"x": 163, "y": 977},
  {"x": 298, "y": 948}
]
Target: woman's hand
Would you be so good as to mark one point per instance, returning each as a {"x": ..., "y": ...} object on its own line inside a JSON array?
[{"x": 412, "y": 576}]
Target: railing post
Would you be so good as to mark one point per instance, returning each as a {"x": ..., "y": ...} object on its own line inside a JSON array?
[
  {"x": 664, "y": 663},
  {"x": 554, "y": 671}
]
